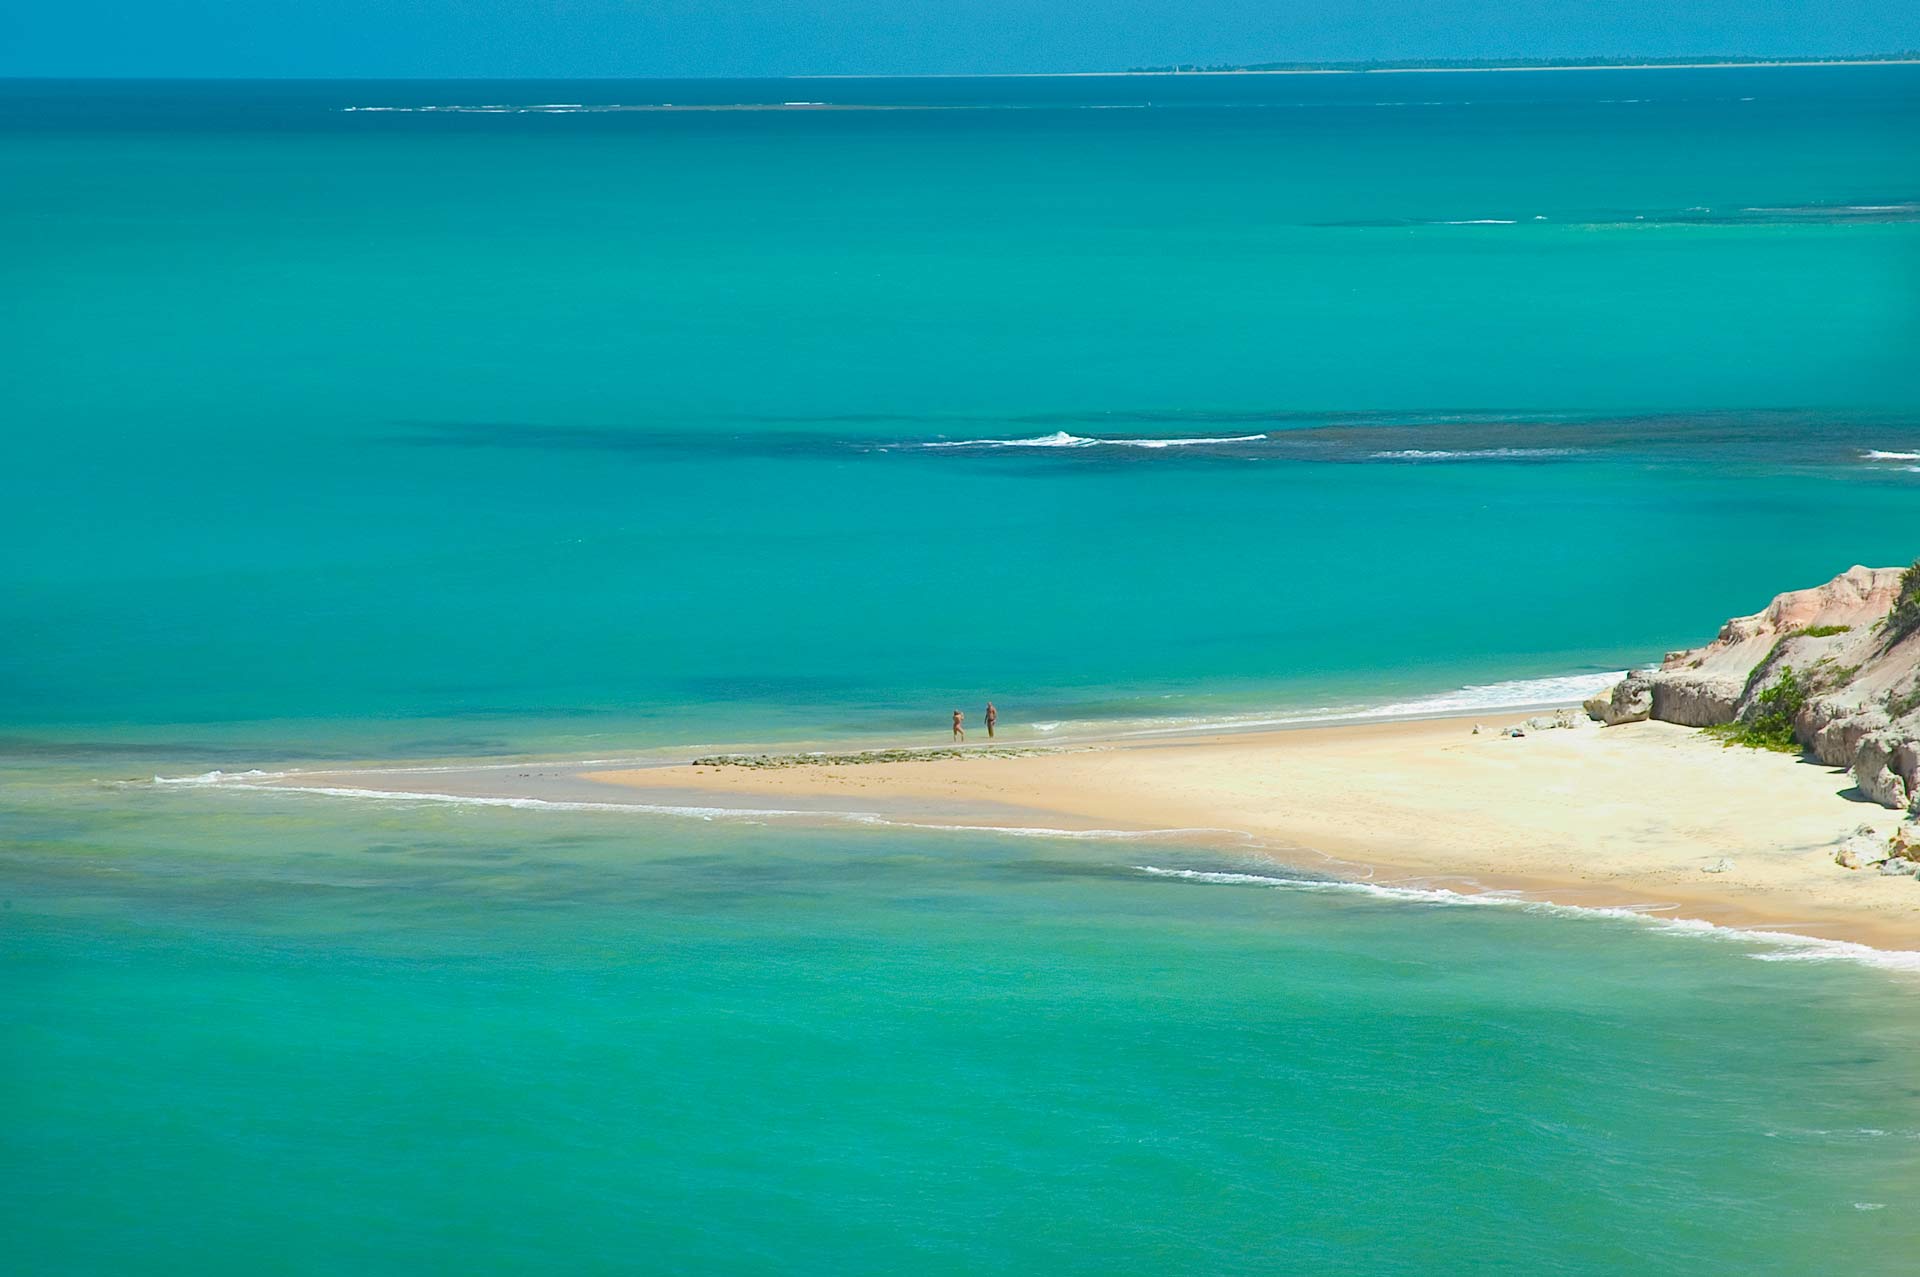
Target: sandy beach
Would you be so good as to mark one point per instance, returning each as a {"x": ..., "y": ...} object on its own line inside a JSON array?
[
  {"x": 1645, "y": 815},
  {"x": 1629, "y": 815}
]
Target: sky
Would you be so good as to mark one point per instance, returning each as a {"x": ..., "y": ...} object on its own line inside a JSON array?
[{"x": 646, "y": 38}]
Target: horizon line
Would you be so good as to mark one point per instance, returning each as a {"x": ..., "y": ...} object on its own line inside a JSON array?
[{"x": 1384, "y": 66}]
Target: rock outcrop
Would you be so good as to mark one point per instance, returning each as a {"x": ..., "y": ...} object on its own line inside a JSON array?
[
  {"x": 1630, "y": 701},
  {"x": 1860, "y": 674},
  {"x": 1865, "y": 849}
]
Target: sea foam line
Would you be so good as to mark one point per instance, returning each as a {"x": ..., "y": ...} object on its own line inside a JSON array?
[
  {"x": 234, "y": 781},
  {"x": 1061, "y": 439},
  {"x": 515, "y": 803},
  {"x": 1473, "y": 454},
  {"x": 1043, "y": 831},
  {"x": 1784, "y": 946},
  {"x": 1513, "y": 694},
  {"x": 254, "y": 781},
  {"x": 218, "y": 777}
]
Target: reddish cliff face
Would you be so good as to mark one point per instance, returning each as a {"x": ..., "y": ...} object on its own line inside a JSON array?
[{"x": 1860, "y": 676}]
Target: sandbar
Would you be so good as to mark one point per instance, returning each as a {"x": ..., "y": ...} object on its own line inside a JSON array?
[{"x": 1645, "y": 815}]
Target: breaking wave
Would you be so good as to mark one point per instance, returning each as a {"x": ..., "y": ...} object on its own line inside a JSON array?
[
  {"x": 1897, "y": 211},
  {"x": 1473, "y": 454},
  {"x": 1905, "y": 462},
  {"x": 1043, "y": 831},
  {"x": 1778, "y": 946},
  {"x": 1505, "y": 696},
  {"x": 1776, "y": 215},
  {"x": 507, "y": 108},
  {"x": 218, "y": 777},
  {"x": 1061, "y": 439},
  {"x": 264, "y": 782},
  {"x": 263, "y": 786}
]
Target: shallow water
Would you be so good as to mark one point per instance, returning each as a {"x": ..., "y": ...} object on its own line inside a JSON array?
[{"x": 314, "y": 1035}]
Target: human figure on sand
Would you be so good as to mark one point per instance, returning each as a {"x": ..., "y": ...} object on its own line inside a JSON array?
[
  {"x": 993, "y": 716},
  {"x": 959, "y": 725}
]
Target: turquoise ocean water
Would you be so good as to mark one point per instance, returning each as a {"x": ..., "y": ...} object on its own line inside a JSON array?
[{"x": 454, "y": 427}]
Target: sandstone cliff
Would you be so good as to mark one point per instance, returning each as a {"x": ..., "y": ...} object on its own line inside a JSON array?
[{"x": 1847, "y": 645}]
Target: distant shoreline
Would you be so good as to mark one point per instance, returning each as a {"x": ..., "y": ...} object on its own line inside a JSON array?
[
  {"x": 1171, "y": 73},
  {"x": 1912, "y": 59}
]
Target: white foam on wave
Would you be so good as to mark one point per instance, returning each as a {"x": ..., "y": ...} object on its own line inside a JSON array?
[
  {"x": 217, "y": 777},
  {"x": 1779, "y": 946},
  {"x": 1042, "y": 831},
  {"x": 1480, "y": 221},
  {"x": 1816, "y": 210},
  {"x": 1178, "y": 442},
  {"x": 1061, "y": 439},
  {"x": 1473, "y": 454},
  {"x": 492, "y": 108},
  {"x": 1509, "y": 694},
  {"x": 547, "y": 804},
  {"x": 1058, "y": 439},
  {"x": 522, "y": 764},
  {"x": 1224, "y": 878},
  {"x": 237, "y": 781},
  {"x": 1512, "y": 694},
  {"x": 1875, "y": 454},
  {"x": 705, "y": 813}
]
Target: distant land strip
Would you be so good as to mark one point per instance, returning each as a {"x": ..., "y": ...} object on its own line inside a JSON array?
[{"x": 1529, "y": 64}]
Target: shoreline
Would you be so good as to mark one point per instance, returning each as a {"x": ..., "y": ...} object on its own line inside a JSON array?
[
  {"x": 1425, "y": 804},
  {"x": 1639, "y": 818}
]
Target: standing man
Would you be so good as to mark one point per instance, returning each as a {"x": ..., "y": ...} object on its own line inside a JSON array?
[
  {"x": 993, "y": 716},
  {"x": 959, "y": 725}
]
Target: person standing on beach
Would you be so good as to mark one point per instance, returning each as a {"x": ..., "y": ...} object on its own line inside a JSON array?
[
  {"x": 993, "y": 716},
  {"x": 959, "y": 725}
]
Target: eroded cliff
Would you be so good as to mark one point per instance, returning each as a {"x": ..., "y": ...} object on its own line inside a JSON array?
[{"x": 1834, "y": 668}]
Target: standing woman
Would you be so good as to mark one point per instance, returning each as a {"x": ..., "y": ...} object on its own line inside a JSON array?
[
  {"x": 993, "y": 716},
  {"x": 959, "y": 725}
]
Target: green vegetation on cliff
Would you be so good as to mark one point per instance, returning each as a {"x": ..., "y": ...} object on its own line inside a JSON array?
[
  {"x": 1904, "y": 619},
  {"x": 1772, "y": 727}
]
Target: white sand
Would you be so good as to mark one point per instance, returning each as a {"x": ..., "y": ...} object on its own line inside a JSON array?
[{"x": 1589, "y": 816}]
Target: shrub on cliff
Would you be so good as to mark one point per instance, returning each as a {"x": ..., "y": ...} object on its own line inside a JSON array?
[
  {"x": 1772, "y": 726},
  {"x": 1904, "y": 619}
]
